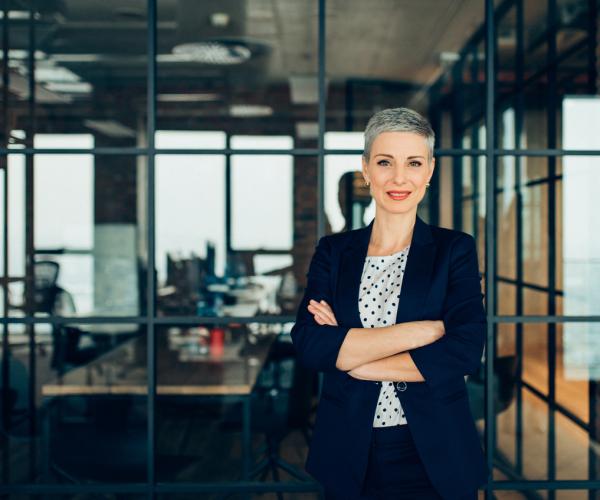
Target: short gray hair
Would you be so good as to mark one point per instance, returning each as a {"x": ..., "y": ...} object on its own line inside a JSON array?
[{"x": 398, "y": 120}]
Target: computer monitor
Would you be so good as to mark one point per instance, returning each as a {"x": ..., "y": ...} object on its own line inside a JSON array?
[{"x": 210, "y": 259}]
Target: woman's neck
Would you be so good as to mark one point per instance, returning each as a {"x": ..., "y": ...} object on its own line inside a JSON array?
[{"x": 391, "y": 233}]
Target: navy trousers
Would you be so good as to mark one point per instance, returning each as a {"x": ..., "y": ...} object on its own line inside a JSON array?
[{"x": 395, "y": 471}]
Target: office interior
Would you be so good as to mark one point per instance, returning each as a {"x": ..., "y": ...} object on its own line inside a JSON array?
[{"x": 166, "y": 169}]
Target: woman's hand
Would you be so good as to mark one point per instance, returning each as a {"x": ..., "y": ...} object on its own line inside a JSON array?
[{"x": 322, "y": 312}]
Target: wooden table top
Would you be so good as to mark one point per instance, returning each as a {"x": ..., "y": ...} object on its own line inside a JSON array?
[{"x": 123, "y": 371}]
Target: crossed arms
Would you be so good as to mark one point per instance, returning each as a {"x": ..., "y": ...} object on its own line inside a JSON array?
[{"x": 430, "y": 351}]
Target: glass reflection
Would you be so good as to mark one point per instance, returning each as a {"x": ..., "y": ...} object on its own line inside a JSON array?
[
  {"x": 85, "y": 215},
  {"x": 75, "y": 407},
  {"x": 226, "y": 264},
  {"x": 534, "y": 417},
  {"x": 209, "y": 377},
  {"x": 348, "y": 204},
  {"x": 90, "y": 71},
  {"x": 237, "y": 66},
  {"x": 567, "y": 283}
]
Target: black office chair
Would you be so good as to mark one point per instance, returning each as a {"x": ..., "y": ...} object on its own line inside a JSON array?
[
  {"x": 272, "y": 406},
  {"x": 53, "y": 300},
  {"x": 505, "y": 383}
]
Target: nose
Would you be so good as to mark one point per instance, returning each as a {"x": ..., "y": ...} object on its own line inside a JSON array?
[{"x": 399, "y": 173}]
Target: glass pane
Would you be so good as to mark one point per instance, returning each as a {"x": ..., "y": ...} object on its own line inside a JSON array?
[
  {"x": 535, "y": 43},
  {"x": 506, "y": 213},
  {"x": 535, "y": 234},
  {"x": 506, "y": 58},
  {"x": 526, "y": 410},
  {"x": 580, "y": 117},
  {"x": 578, "y": 235},
  {"x": 187, "y": 189},
  {"x": 90, "y": 72},
  {"x": 348, "y": 203},
  {"x": 549, "y": 83},
  {"x": 403, "y": 66},
  {"x": 225, "y": 263},
  {"x": 573, "y": 245},
  {"x": 507, "y": 304},
  {"x": 237, "y": 66},
  {"x": 535, "y": 119},
  {"x": 261, "y": 190},
  {"x": 88, "y": 419},
  {"x": 215, "y": 379},
  {"x": 86, "y": 214}
]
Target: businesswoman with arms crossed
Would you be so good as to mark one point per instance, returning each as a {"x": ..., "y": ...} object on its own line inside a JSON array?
[{"x": 393, "y": 316}]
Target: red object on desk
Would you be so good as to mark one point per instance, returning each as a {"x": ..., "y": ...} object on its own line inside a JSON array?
[{"x": 217, "y": 336}]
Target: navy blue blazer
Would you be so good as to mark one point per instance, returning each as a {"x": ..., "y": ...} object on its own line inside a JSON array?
[{"x": 441, "y": 282}]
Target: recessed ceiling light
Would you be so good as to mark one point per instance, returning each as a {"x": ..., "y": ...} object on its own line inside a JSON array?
[
  {"x": 250, "y": 110},
  {"x": 185, "y": 97},
  {"x": 19, "y": 14},
  {"x": 214, "y": 52},
  {"x": 51, "y": 73},
  {"x": 219, "y": 19},
  {"x": 69, "y": 87},
  {"x": 111, "y": 128}
]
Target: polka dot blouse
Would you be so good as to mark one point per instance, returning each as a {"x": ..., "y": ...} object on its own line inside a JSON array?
[{"x": 378, "y": 304}]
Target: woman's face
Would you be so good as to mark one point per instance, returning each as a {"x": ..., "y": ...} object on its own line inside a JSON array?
[{"x": 398, "y": 171}]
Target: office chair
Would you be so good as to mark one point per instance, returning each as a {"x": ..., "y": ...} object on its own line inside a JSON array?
[
  {"x": 51, "y": 299},
  {"x": 272, "y": 404},
  {"x": 505, "y": 383}
]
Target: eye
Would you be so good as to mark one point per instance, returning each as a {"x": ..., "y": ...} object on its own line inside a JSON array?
[
  {"x": 383, "y": 163},
  {"x": 415, "y": 163}
]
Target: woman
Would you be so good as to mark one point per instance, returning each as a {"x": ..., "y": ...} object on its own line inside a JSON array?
[{"x": 393, "y": 316}]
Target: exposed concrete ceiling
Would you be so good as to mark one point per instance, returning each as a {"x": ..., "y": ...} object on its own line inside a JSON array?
[{"x": 380, "y": 39}]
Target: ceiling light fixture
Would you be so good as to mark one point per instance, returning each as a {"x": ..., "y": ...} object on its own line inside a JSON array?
[
  {"x": 250, "y": 110},
  {"x": 185, "y": 97},
  {"x": 214, "y": 52}
]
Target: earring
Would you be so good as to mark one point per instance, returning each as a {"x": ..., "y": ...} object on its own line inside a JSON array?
[
  {"x": 427, "y": 185},
  {"x": 367, "y": 183}
]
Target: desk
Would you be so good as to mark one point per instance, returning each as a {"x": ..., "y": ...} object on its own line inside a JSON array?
[{"x": 122, "y": 371}]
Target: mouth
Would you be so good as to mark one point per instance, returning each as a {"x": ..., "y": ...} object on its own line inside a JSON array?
[{"x": 398, "y": 195}]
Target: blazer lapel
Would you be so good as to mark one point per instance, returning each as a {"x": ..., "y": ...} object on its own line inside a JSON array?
[
  {"x": 350, "y": 271},
  {"x": 417, "y": 274},
  {"x": 415, "y": 283}
]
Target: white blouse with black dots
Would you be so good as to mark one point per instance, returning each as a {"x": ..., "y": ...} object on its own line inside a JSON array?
[{"x": 378, "y": 304}]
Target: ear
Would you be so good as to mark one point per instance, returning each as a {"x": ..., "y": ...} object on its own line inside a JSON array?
[
  {"x": 431, "y": 168},
  {"x": 364, "y": 169}
]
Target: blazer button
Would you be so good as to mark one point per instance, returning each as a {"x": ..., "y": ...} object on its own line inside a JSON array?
[{"x": 401, "y": 386}]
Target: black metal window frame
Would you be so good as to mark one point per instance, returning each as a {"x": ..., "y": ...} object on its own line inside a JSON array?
[{"x": 486, "y": 34}]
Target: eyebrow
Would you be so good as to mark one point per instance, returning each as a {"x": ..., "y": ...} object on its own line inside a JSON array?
[{"x": 390, "y": 156}]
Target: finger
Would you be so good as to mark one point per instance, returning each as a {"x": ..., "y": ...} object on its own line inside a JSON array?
[
  {"x": 319, "y": 319},
  {"x": 325, "y": 311},
  {"x": 326, "y": 307},
  {"x": 322, "y": 320},
  {"x": 329, "y": 313}
]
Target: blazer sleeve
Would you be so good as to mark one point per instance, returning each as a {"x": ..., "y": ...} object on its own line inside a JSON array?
[
  {"x": 317, "y": 346},
  {"x": 459, "y": 351}
]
